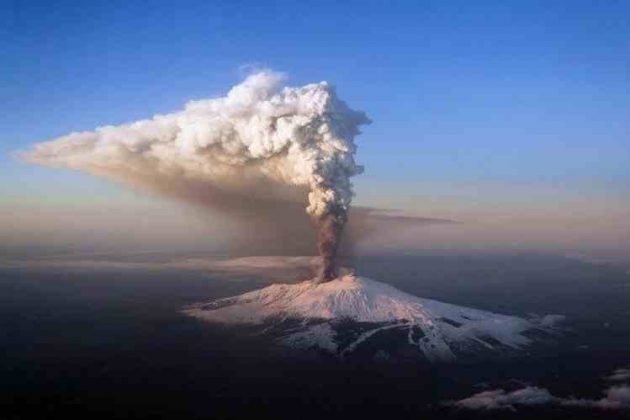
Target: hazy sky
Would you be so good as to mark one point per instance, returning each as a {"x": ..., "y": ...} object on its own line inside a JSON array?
[{"x": 512, "y": 117}]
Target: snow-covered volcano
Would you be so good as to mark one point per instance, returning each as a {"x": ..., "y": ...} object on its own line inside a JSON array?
[{"x": 351, "y": 313}]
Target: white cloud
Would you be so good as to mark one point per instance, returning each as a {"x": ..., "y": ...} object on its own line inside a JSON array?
[
  {"x": 616, "y": 397},
  {"x": 500, "y": 399},
  {"x": 619, "y": 375}
]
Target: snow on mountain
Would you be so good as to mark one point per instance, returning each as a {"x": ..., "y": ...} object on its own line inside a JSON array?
[{"x": 341, "y": 315}]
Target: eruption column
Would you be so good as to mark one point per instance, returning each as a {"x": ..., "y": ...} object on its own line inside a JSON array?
[
  {"x": 259, "y": 142},
  {"x": 330, "y": 228}
]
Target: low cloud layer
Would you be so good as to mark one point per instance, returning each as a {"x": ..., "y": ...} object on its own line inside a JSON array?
[
  {"x": 266, "y": 268},
  {"x": 615, "y": 397},
  {"x": 620, "y": 375},
  {"x": 499, "y": 399}
]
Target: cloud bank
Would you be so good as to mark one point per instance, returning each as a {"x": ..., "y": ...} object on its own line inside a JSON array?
[
  {"x": 615, "y": 397},
  {"x": 621, "y": 374},
  {"x": 499, "y": 399}
]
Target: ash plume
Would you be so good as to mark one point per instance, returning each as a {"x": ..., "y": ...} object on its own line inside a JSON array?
[
  {"x": 330, "y": 227},
  {"x": 262, "y": 143}
]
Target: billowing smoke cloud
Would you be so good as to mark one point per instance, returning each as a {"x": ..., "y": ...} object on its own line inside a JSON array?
[{"x": 252, "y": 151}]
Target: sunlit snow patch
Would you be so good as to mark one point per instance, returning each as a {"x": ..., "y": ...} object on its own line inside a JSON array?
[{"x": 343, "y": 315}]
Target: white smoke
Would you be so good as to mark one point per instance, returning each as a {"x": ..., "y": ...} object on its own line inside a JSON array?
[
  {"x": 298, "y": 136},
  {"x": 252, "y": 144}
]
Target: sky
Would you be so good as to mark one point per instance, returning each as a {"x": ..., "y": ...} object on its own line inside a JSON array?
[{"x": 511, "y": 117}]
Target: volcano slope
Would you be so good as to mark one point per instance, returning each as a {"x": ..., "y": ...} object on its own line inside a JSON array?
[{"x": 353, "y": 315}]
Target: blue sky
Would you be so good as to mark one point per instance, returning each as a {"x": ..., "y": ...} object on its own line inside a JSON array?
[{"x": 484, "y": 93}]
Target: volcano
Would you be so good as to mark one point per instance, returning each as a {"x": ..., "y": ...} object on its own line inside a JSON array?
[{"x": 356, "y": 315}]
